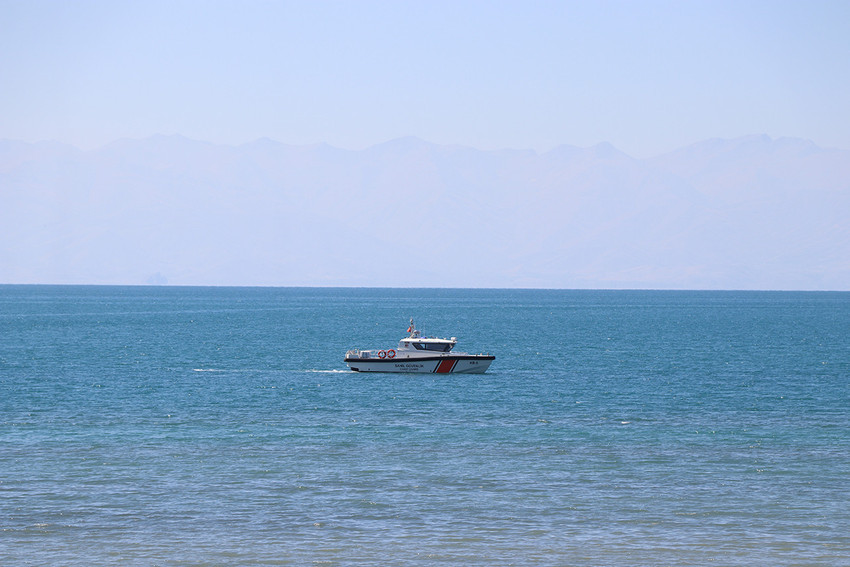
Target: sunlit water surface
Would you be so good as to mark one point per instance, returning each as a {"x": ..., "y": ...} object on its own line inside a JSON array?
[{"x": 212, "y": 426}]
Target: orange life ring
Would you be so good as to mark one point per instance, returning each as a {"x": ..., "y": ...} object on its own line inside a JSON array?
[
  {"x": 391, "y": 353},
  {"x": 381, "y": 354}
]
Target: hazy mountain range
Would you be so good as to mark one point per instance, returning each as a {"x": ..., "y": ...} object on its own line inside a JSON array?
[{"x": 748, "y": 213}]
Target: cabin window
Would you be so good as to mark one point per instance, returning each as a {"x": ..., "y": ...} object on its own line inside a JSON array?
[{"x": 438, "y": 347}]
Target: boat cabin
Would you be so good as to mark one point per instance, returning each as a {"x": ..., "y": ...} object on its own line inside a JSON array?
[{"x": 417, "y": 342}]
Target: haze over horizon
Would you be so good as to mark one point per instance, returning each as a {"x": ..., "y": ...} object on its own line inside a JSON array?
[
  {"x": 749, "y": 213},
  {"x": 477, "y": 82},
  {"x": 271, "y": 140}
]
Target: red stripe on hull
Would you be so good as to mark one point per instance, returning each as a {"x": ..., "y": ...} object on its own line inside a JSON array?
[{"x": 445, "y": 366}]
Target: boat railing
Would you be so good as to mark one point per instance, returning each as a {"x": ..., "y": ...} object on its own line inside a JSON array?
[{"x": 357, "y": 353}]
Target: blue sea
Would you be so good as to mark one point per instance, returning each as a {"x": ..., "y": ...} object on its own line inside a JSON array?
[{"x": 220, "y": 426}]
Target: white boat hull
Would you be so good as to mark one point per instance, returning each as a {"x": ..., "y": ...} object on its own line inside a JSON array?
[{"x": 460, "y": 364}]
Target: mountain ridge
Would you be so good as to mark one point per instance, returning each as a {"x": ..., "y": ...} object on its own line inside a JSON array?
[{"x": 748, "y": 213}]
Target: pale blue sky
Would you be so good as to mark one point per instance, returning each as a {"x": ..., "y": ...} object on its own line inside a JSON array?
[{"x": 646, "y": 76}]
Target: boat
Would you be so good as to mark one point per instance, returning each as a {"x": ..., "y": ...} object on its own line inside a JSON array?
[{"x": 416, "y": 353}]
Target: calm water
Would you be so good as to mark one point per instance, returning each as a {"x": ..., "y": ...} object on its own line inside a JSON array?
[{"x": 203, "y": 426}]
